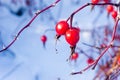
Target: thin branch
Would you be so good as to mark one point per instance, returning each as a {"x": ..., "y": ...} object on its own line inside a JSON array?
[
  {"x": 87, "y": 4},
  {"x": 112, "y": 46},
  {"x": 28, "y": 24},
  {"x": 104, "y": 51}
]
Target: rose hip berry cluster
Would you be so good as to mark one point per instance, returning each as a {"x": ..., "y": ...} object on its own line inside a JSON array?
[
  {"x": 110, "y": 10},
  {"x": 71, "y": 34}
]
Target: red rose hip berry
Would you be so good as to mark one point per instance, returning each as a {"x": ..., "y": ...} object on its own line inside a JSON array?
[
  {"x": 90, "y": 61},
  {"x": 61, "y": 27},
  {"x": 110, "y": 8},
  {"x": 118, "y": 62},
  {"x": 74, "y": 56},
  {"x": 43, "y": 39},
  {"x": 72, "y": 36},
  {"x": 95, "y": 1},
  {"x": 114, "y": 14}
]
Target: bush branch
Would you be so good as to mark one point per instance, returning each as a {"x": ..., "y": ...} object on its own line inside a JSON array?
[{"x": 28, "y": 24}]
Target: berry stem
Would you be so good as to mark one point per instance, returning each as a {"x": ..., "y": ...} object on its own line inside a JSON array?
[
  {"x": 28, "y": 24},
  {"x": 106, "y": 49}
]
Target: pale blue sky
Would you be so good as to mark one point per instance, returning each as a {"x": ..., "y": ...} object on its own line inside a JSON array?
[{"x": 29, "y": 58}]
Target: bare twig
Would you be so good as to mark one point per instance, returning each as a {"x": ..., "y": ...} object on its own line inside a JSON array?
[
  {"x": 29, "y": 23},
  {"x": 104, "y": 51}
]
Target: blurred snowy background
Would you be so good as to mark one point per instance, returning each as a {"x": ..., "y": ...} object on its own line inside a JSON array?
[{"x": 26, "y": 59}]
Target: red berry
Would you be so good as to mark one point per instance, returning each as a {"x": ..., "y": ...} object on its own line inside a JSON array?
[
  {"x": 43, "y": 38},
  {"x": 109, "y": 8},
  {"x": 72, "y": 36},
  {"x": 118, "y": 61},
  {"x": 62, "y": 27},
  {"x": 114, "y": 14},
  {"x": 95, "y": 1},
  {"x": 90, "y": 61},
  {"x": 74, "y": 56}
]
